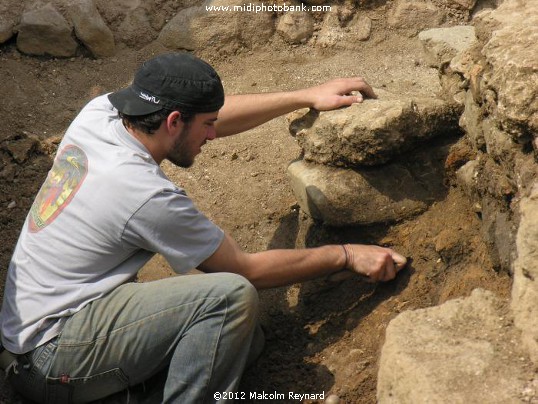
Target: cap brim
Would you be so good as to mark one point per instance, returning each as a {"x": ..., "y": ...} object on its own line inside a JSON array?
[{"x": 128, "y": 102}]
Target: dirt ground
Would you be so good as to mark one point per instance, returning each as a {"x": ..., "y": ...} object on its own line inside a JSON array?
[{"x": 321, "y": 336}]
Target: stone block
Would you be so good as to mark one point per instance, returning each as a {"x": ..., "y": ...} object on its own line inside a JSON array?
[
  {"x": 90, "y": 28},
  {"x": 346, "y": 197},
  {"x": 512, "y": 54},
  {"x": 415, "y": 15},
  {"x": 443, "y": 44},
  {"x": 458, "y": 352},
  {"x": 336, "y": 34},
  {"x": 195, "y": 28},
  {"x": 44, "y": 31},
  {"x": 375, "y": 131},
  {"x": 524, "y": 303},
  {"x": 295, "y": 27}
]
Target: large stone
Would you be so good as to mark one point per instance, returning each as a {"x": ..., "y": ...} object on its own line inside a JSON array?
[
  {"x": 512, "y": 52},
  {"x": 196, "y": 28},
  {"x": 90, "y": 28},
  {"x": 44, "y": 31},
  {"x": 334, "y": 33},
  {"x": 10, "y": 14},
  {"x": 525, "y": 285},
  {"x": 462, "y": 4},
  {"x": 443, "y": 44},
  {"x": 460, "y": 352},
  {"x": 471, "y": 122},
  {"x": 346, "y": 197},
  {"x": 415, "y": 15},
  {"x": 6, "y": 28},
  {"x": 135, "y": 30},
  {"x": 295, "y": 27},
  {"x": 374, "y": 131}
]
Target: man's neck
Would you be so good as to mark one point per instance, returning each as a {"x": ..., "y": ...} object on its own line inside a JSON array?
[{"x": 150, "y": 142}]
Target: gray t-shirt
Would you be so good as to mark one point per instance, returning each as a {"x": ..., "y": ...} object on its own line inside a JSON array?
[{"x": 105, "y": 208}]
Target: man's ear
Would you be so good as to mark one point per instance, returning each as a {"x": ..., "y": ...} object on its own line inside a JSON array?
[{"x": 173, "y": 121}]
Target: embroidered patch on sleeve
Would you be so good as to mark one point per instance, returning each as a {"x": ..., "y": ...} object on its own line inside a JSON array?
[{"x": 64, "y": 180}]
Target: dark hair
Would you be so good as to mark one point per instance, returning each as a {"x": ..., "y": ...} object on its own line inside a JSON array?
[{"x": 151, "y": 122}]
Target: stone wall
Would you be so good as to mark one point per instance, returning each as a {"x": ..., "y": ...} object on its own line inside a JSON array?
[
  {"x": 500, "y": 78},
  {"x": 97, "y": 28},
  {"x": 433, "y": 355}
]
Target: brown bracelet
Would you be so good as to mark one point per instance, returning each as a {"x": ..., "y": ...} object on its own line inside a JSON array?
[{"x": 348, "y": 251}]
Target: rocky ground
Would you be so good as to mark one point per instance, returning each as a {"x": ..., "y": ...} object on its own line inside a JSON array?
[{"x": 322, "y": 336}]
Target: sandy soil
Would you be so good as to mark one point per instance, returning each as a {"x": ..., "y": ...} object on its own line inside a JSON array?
[{"x": 321, "y": 336}]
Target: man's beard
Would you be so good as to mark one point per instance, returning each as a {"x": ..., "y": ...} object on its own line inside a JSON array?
[{"x": 179, "y": 155}]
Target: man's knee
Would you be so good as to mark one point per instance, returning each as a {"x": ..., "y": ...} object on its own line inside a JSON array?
[
  {"x": 240, "y": 292},
  {"x": 241, "y": 289}
]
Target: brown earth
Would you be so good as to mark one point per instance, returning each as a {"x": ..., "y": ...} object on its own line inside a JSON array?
[{"x": 321, "y": 336}]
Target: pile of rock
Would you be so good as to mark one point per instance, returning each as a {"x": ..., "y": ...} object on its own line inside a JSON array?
[
  {"x": 43, "y": 30},
  {"x": 375, "y": 162},
  {"x": 500, "y": 78},
  {"x": 433, "y": 355},
  {"x": 372, "y": 163},
  {"x": 60, "y": 28}
]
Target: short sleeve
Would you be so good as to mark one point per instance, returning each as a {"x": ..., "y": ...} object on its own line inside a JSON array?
[{"x": 169, "y": 224}]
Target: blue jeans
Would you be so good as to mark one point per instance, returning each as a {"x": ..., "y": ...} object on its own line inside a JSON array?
[{"x": 201, "y": 329}]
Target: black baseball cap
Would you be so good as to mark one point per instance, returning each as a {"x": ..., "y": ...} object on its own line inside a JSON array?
[{"x": 173, "y": 81}]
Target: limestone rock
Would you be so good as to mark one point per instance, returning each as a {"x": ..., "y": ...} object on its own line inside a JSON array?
[
  {"x": 374, "y": 131},
  {"x": 512, "y": 52},
  {"x": 90, "y": 28},
  {"x": 295, "y": 27},
  {"x": 466, "y": 176},
  {"x": 177, "y": 34},
  {"x": 443, "y": 44},
  {"x": 195, "y": 28},
  {"x": 462, "y": 4},
  {"x": 459, "y": 352},
  {"x": 6, "y": 29},
  {"x": 10, "y": 14},
  {"x": 44, "y": 31},
  {"x": 471, "y": 120},
  {"x": 135, "y": 30},
  {"x": 525, "y": 285},
  {"x": 346, "y": 197},
  {"x": 21, "y": 147},
  {"x": 6, "y": 32},
  {"x": 335, "y": 34},
  {"x": 498, "y": 144},
  {"x": 416, "y": 15}
]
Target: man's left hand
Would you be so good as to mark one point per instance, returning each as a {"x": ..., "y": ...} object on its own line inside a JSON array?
[{"x": 337, "y": 93}]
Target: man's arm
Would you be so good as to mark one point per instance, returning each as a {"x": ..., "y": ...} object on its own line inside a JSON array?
[
  {"x": 243, "y": 112},
  {"x": 273, "y": 268}
]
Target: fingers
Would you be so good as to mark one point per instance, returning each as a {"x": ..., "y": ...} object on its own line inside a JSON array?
[
  {"x": 358, "y": 84},
  {"x": 366, "y": 90},
  {"x": 347, "y": 100},
  {"x": 378, "y": 264},
  {"x": 399, "y": 260}
]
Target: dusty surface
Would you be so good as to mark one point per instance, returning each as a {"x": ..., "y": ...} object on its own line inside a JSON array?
[{"x": 321, "y": 336}]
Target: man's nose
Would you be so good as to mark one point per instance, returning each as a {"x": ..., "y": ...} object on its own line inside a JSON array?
[{"x": 211, "y": 133}]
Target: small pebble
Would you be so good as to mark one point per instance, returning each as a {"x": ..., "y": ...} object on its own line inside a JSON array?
[
  {"x": 11, "y": 205},
  {"x": 332, "y": 399}
]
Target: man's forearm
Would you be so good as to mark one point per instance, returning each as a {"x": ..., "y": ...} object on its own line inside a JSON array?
[
  {"x": 243, "y": 112},
  {"x": 274, "y": 268},
  {"x": 246, "y": 111}
]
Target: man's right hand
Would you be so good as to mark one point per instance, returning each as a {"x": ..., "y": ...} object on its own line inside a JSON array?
[{"x": 374, "y": 262}]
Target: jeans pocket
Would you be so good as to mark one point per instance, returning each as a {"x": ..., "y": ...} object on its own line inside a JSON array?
[
  {"x": 28, "y": 375},
  {"x": 67, "y": 389}
]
